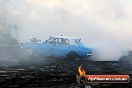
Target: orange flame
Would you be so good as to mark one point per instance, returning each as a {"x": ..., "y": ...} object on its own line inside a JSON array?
[{"x": 81, "y": 71}]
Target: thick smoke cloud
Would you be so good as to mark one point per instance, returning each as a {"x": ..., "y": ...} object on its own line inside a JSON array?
[{"x": 104, "y": 25}]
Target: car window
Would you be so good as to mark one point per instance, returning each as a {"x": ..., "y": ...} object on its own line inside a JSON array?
[
  {"x": 59, "y": 41},
  {"x": 65, "y": 41},
  {"x": 51, "y": 40},
  {"x": 62, "y": 41},
  {"x": 75, "y": 41}
]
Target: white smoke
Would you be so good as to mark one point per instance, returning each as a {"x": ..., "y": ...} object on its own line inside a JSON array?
[{"x": 105, "y": 25}]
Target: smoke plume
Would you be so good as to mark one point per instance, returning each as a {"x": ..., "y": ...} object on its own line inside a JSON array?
[{"x": 103, "y": 25}]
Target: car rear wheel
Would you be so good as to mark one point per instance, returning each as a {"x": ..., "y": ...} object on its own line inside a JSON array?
[{"x": 72, "y": 55}]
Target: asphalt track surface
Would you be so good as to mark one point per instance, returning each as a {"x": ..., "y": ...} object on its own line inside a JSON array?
[{"x": 55, "y": 73}]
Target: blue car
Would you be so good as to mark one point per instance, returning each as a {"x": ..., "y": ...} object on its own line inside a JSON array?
[{"x": 58, "y": 46}]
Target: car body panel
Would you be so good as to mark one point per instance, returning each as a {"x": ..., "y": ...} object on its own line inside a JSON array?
[{"x": 55, "y": 47}]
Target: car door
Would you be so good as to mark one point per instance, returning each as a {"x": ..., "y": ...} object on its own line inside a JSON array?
[
  {"x": 52, "y": 47},
  {"x": 48, "y": 47},
  {"x": 62, "y": 47}
]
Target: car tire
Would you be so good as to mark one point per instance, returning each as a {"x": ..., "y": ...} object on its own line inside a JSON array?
[{"x": 72, "y": 55}]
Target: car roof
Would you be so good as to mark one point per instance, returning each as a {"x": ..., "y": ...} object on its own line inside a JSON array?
[{"x": 65, "y": 37}]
